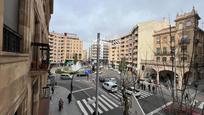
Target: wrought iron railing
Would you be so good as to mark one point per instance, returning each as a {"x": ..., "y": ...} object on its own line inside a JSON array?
[
  {"x": 11, "y": 40},
  {"x": 40, "y": 56}
]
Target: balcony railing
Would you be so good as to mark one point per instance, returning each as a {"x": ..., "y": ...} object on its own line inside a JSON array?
[
  {"x": 162, "y": 53},
  {"x": 11, "y": 40},
  {"x": 161, "y": 63},
  {"x": 40, "y": 59}
]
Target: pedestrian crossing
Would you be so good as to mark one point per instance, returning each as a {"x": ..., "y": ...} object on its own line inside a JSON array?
[
  {"x": 198, "y": 104},
  {"x": 105, "y": 103}
]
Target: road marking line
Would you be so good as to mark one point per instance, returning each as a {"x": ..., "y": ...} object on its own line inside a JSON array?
[
  {"x": 194, "y": 102},
  {"x": 160, "y": 108},
  {"x": 99, "y": 110},
  {"x": 111, "y": 107},
  {"x": 109, "y": 101},
  {"x": 88, "y": 106},
  {"x": 82, "y": 90},
  {"x": 118, "y": 95},
  {"x": 201, "y": 105},
  {"x": 82, "y": 108},
  {"x": 104, "y": 108},
  {"x": 114, "y": 96}
]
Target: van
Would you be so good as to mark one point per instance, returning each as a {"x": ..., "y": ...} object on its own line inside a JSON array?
[{"x": 110, "y": 86}]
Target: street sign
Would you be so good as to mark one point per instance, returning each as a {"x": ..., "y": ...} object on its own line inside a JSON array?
[{"x": 88, "y": 72}]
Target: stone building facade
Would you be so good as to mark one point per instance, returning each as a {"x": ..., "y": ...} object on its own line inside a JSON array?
[
  {"x": 181, "y": 45},
  {"x": 24, "y": 62},
  {"x": 64, "y": 47}
]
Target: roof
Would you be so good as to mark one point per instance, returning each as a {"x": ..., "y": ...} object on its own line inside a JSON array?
[{"x": 110, "y": 82}]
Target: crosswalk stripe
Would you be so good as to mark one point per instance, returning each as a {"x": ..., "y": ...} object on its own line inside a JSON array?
[
  {"x": 104, "y": 108},
  {"x": 88, "y": 106},
  {"x": 194, "y": 102},
  {"x": 99, "y": 110},
  {"x": 82, "y": 108},
  {"x": 118, "y": 95},
  {"x": 201, "y": 105},
  {"x": 109, "y": 101},
  {"x": 105, "y": 102},
  {"x": 114, "y": 96}
]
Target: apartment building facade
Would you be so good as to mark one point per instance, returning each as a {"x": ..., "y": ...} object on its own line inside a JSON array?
[
  {"x": 24, "y": 59},
  {"x": 103, "y": 52},
  {"x": 63, "y": 47},
  {"x": 135, "y": 46}
]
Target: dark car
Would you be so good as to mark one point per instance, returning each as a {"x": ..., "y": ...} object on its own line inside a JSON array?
[{"x": 101, "y": 79}]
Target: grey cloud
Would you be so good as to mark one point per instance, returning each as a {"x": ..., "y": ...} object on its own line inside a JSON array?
[{"x": 113, "y": 17}]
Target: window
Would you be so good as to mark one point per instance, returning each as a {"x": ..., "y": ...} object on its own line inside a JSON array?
[
  {"x": 164, "y": 59},
  {"x": 189, "y": 23},
  {"x": 158, "y": 59},
  {"x": 165, "y": 39},
  {"x": 158, "y": 40},
  {"x": 158, "y": 51},
  {"x": 164, "y": 50},
  {"x": 11, "y": 37},
  {"x": 183, "y": 48},
  {"x": 183, "y": 58},
  {"x": 180, "y": 26}
]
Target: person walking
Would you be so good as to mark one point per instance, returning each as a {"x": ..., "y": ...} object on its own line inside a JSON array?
[
  {"x": 149, "y": 87},
  {"x": 153, "y": 88},
  {"x": 61, "y": 102},
  {"x": 53, "y": 90},
  {"x": 69, "y": 97},
  {"x": 144, "y": 86}
]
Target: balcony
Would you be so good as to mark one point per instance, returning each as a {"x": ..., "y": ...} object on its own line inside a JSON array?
[
  {"x": 40, "y": 58},
  {"x": 162, "y": 53},
  {"x": 11, "y": 40},
  {"x": 163, "y": 63}
]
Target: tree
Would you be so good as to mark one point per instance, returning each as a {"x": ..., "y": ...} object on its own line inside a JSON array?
[
  {"x": 75, "y": 59},
  {"x": 122, "y": 69}
]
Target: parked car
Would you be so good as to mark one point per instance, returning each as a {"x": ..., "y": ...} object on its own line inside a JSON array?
[
  {"x": 65, "y": 77},
  {"x": 110, "y": 86}
]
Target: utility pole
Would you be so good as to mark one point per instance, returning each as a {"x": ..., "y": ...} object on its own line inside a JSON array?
[
  {"x": 173, "y": 50},
  {"x": 97, "y": 70}
]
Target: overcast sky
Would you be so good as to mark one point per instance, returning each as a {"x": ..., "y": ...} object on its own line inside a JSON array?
[{"x": 114, "y": 18}]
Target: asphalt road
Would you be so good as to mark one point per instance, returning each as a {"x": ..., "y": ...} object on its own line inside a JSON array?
[{"x": 84, "y": 90}]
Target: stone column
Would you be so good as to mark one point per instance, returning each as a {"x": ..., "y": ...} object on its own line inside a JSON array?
[{"x": 1, "y": 23}]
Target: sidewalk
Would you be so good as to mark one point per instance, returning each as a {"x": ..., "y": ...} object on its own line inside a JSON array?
[{"x": 68, "y": 109}]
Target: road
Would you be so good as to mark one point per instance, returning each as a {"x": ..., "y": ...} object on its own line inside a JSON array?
[{"x": 109, "y": 103}]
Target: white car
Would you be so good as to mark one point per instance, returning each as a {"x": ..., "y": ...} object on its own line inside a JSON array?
[
  {"x": 111, "y": 80},
  {"x": 131, "y": 90},
  {"x": 110, "y": 86}
]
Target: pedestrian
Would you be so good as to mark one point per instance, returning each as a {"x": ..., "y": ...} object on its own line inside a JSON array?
[
  {"x": 144, "y": 87},
  {"x": 61, "y": 102},
  {"x": 186, "y": 96},
  {"x": 141, "y": 86},
  {"x": 53, "y": 90},
  {"x": 69, "y": 97},
  {"x": 149, "y": 87},
  {"x": 153, "y": 88}
]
